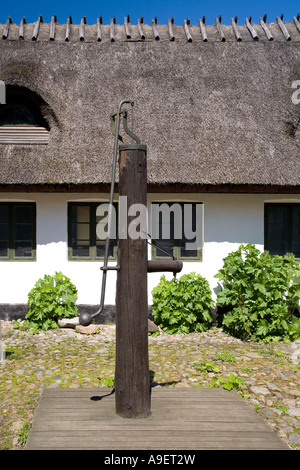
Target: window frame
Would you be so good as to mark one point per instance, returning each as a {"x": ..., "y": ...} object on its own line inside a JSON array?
[
  {"x": 176, "y": 246},
  {"x": 93, "y": 236},
  {"x": 289, "y": 225},
  {"x": 11, "y": 235}
]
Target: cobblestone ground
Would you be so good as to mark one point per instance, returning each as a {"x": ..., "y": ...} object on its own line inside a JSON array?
[{"x": 269, "y": 374}]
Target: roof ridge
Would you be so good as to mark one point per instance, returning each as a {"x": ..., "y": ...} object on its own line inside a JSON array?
[{"x": 218, "y": 29}]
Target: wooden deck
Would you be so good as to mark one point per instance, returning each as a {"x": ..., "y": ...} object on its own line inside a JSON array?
[{"x": 200, "y": 418}]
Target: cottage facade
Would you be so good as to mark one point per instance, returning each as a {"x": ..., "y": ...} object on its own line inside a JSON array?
[{"x": 218, "y": 107}]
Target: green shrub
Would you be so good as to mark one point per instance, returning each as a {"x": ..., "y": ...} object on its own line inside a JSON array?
[
  {"x": 183, "y": 306},
  {"x": 260, "y": 293},
  {"x": 51, "y": 299}
]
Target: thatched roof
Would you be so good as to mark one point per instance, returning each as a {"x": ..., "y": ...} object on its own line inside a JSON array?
[{"x": 213, "y": 113}]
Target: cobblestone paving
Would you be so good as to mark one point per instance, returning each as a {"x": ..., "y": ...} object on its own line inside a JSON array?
[{"x": 67, "y": 358}]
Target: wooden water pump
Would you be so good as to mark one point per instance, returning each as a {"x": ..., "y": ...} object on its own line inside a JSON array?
[{"x": 132, "y": 377}]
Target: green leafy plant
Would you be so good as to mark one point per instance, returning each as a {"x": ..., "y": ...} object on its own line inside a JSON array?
[
  {"x": 106, "y": 381},
  {"x": 183, "y": 306},
  {"x": 259, "y": 294},
  {"x": 51, "y": 299},
  {"x": 231, "y": 383},
  {"x": 226, "y": 357},
  {"x": 206, "y": 367},
  {"x": 23, "y": 433}
]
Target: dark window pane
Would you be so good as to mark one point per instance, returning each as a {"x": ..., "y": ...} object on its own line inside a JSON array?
[
  {"x": 277, "y": 214},
  {"x": 83, "y": 240},
  {"x": 82, "y": 214},
  {"x": 80, "y": 249},
  {"x": 23, "y": 249},
  {"x": 176, "y": 227},
  {"x": 23, "y": 231},
  {"x": 277, "y": 240},
  {"x": 296, "y": 231},
  {"x": 3, "y": 231},
  {"x": 283, "y": 229},
  {"x": 101, "y": 249},
  {"x": 3, "y": 248},
  {"x": 80, "y": 229},
  {"x": 165, "y": 248},
  {"x": 187, "y": 253},
  {"x": 17, "y": 227},
  {"x": 20, "y": 110},
  {"x": 23, "y": 214},
  {"x": 296, "y": 249},
  {"x": 3, "y": 214},
  {"x": 277, "y": 217}
]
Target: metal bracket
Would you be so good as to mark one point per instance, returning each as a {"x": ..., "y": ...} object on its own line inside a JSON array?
[
  {"x": 125, "y": 126},
  {"x": 110, "y": 268}
]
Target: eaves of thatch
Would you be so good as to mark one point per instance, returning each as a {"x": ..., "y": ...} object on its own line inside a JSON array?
[{"x": 213, "y": 103}]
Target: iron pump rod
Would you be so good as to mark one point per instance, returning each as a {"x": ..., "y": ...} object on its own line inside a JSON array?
[{"x": 86, "y": 318}]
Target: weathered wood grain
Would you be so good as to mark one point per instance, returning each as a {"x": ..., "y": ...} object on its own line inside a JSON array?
[
  {"x": 132, "y": 381},
  {"x": 180, "y": 419}
]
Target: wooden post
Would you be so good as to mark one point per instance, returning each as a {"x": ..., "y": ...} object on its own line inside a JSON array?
[{"x": 132, "y": 381}]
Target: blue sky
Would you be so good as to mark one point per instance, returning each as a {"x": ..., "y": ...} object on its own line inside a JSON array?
[{"x": 162, "y": 9}]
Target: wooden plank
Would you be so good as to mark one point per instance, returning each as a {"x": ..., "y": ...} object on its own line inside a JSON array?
[
  {"x": 187, "y": 31},
  {"x": 99, "y": 32},
  {"x": 251, "y": 30},
  {"x": 81, "y": 29},
  {"x": 141, "y": 33},
  {"x": 68, "y": 29},
  {"x": 155, "y": 30},
  {"x": 126, "y": 26},
  {"x": 52, "y": 28},
  {"x": 220, "y": 31},
  {"x": 177, "y": 436},
  {"x": 69, "y": 419},
  {"x": 112, "y": 30},
  {"x": 36, "y": 29},
  {"x": 266, "y": 29},
  {"x": 203, "y": 30},
  {"x": 91, "y": 424},
  {"x": 202, "y": 392},
  {"x": 21, "y": 30},
  {"x": 6, "y": 28},
  {"x": 119, "y": 441},
  {"x": 170, "y": 26},
  {"x": 236, "y": 30},
  {"x": 297, "y": 24},
  {"x": 283, "y": 29}
]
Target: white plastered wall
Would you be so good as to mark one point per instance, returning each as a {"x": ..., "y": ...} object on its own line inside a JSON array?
[{"x": 229, "y": 220}]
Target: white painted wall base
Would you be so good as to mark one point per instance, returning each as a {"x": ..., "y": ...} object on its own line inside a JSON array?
[{"x": 229, "y": 220}]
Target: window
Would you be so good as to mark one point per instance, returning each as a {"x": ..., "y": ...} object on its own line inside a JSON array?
[
  {"x": 17, "y": 231},
  {"x": 177, "y": 230},
  {"x": 21, "y": 121},
  {"x": 282, "y": 228},
  {"x": 83, "y": 242}
]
